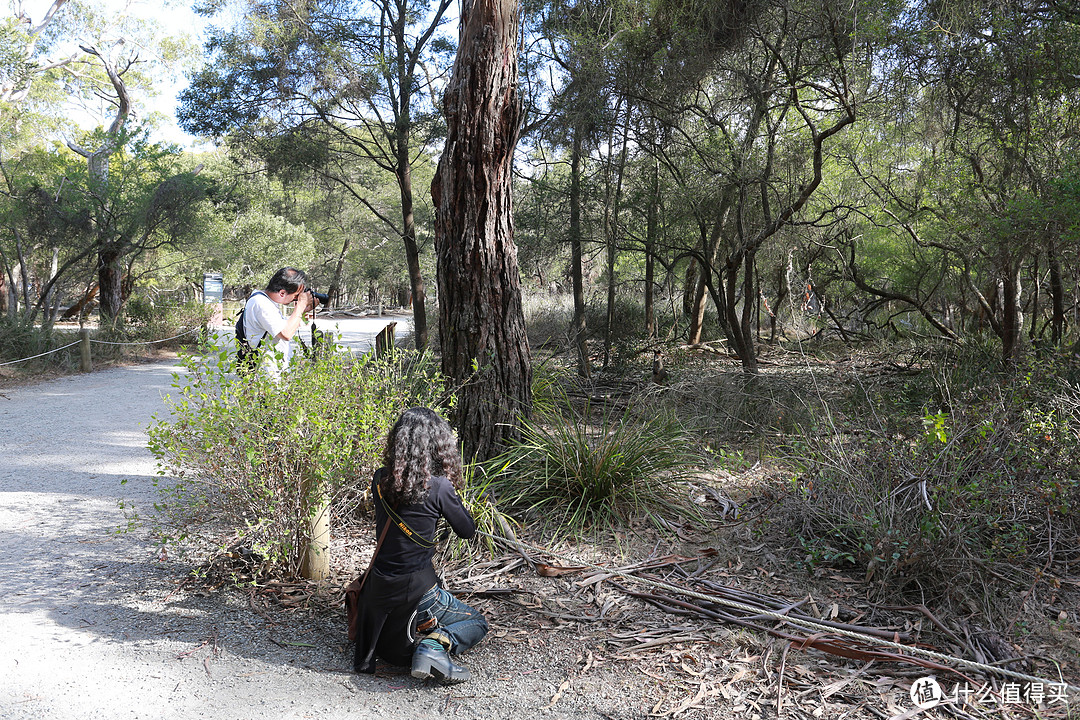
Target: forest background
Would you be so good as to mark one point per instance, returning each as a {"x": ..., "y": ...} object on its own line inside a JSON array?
[{"x": 834, "y": 240}]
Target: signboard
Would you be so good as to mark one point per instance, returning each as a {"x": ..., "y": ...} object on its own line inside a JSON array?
[{"x": 213, "y": 285}]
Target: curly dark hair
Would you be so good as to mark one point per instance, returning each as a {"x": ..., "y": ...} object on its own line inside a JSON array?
[{"x": 419, "y": 446}]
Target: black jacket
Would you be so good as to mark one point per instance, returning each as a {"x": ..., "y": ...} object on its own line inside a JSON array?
[{"x": 402, "y": 573}]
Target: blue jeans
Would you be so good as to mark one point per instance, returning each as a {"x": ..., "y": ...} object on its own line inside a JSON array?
[{"x": 464, "y": 625}]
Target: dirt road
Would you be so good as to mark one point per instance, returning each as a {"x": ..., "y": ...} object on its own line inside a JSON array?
[{"x": 94, "y": 625}]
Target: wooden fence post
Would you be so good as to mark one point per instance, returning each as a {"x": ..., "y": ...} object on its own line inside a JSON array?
[
  {"x": 315, "y": 564},
  {"x": 84, "y": 348}
]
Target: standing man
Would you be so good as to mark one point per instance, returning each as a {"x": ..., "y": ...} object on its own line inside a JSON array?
[{"x": 263, "y": 320}]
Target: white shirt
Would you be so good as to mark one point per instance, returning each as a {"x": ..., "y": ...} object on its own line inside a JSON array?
[{"x": 262, "y": 322}]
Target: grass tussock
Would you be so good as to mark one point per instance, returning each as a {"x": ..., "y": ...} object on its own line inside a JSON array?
[
  {"x": 726, "y": 403},
  {"x": 576, "y": 475}
]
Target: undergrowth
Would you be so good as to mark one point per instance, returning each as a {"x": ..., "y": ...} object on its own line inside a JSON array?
[
  {"x": 142, "y": 329},
  {"x": 981, "y": 490}
]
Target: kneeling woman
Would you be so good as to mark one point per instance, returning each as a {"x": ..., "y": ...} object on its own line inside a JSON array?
[{"x": 405, "y": 617}]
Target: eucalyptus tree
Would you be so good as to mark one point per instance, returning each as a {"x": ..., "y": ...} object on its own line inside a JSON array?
[
  {"x": 482, "y": 327},
  {"x": 105, "y": 64},
  {"x": 25, "y": 45},
  {"x": 129, "y": 216},
  {"x": 59, "y": 223},
  {"x": 750, "y": 145},
  {"x": 315, "y": 83}
]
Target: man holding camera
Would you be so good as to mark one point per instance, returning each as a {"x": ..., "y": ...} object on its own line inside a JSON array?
[{"x": 264, "y": 321}]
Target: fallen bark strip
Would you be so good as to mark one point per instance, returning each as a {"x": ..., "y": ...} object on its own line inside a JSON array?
[
  {"x": 841, "y": 647},
  {"x": 775, "y": 605},
  {"x": 552, "y": 570}
]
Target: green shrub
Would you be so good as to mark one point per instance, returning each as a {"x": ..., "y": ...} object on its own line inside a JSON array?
[
  {"x": 578, "y": 476},
  {"x": 994, "y": 482},
  {"x": 252, "y": 460},
  {"x": 172, "y": 323}
]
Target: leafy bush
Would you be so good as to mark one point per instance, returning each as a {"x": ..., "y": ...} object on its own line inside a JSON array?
[
  {"x": 579, "y": 476},
  {"x": 256, "y": 459}
]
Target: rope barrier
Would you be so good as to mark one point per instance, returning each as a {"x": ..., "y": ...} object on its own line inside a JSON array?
[
  {"x": 799, "y": 622},
  {"x": 101, "y": 342},
  {"x": 147, "y": 342},
  {"x": 47, "y": 352}
]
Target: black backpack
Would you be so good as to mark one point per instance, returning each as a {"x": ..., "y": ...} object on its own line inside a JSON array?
[{"x": 247, "y": 357}]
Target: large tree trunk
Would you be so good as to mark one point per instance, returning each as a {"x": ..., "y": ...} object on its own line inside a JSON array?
[
  {"x": 109, "y": 253},
  {"x": 484, "y": 347},
  {"x": 110, "y": 275}
]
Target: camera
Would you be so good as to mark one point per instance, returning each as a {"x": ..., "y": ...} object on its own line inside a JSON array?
[{"x": 321, "y": 297}]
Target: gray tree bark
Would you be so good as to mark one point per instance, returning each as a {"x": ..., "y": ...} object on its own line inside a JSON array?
[{"x": 485, "y": 350}]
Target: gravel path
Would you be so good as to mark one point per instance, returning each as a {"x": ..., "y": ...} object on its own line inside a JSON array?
[{"x": 94, "y": 624}]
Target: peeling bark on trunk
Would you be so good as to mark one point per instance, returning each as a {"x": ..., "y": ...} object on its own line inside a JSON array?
[{"x": 484, "y": 347}]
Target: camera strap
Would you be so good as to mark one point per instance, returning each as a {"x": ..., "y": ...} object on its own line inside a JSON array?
[{"x": 402, "y": 525}]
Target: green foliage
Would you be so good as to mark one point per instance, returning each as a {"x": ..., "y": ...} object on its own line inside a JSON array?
[
  {"x": 251, "y": 460},
  {"x": 580, "y": 476}
]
